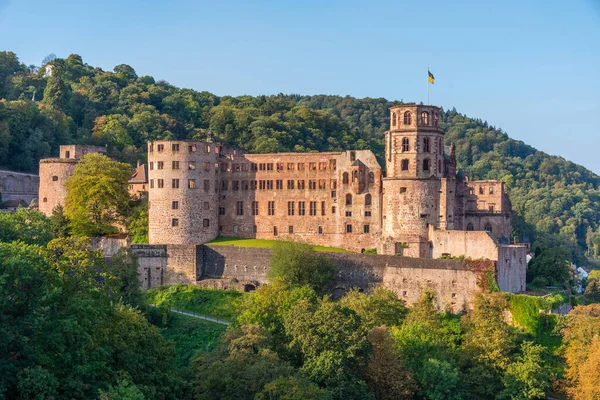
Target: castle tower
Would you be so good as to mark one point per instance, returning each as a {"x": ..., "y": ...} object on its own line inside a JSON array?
[
  {"x": 183, "y": 194},
  {"x": 414, "y": 157},
  {"x": 54, "y": 173}
]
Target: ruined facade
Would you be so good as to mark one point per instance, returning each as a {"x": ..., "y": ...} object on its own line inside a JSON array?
[
  {"x": 200, "y": 190},
  {"x": 17, "y": 190},
  {"x": 54, "y": 173}
]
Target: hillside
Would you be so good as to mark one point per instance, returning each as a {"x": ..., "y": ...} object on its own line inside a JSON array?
[{"x": 77, "y": 103}]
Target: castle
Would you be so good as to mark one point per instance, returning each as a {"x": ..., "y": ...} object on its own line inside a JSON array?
[{"x": 416, "y": 207}]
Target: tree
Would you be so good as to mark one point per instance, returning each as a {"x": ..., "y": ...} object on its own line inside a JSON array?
[
  {"x": 552, "y": 265},
  {"x": 28, "y": 226},
  {"x": 386, "y": 373},
  {"x": 97, "y": 195},
  {"x": 592, "y": 292},
  {"x": 291, "y": 388},
  {"x": 382, "y": 307},
  {"x": 138, "y": 223},
  {"x": 57, "y": 92},
  {"x": 299, "y": 264},
  {"x": 529, "y": 376},
  {"x": 123, "y": 267},
  {"x": 59, "y": 222}
]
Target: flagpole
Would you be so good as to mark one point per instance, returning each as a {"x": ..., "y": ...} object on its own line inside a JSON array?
[{"x": 428, "y": 85}]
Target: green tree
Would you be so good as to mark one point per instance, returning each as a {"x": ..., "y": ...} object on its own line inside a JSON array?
[
  {"x": 123, "y": 267},
  {"x": 28, "y": 226},
  {"x": 97, "y": 195},
  {"x": 124, "y": 390},
  {"x": 299, "y": 264},
  {"x": 60, "y": 224},
  {"x": 137, "y": 225},
  {"x": 382, "y": 307},
  {"x": 592, "y": 292},
  {"x": 292, "y": 388},
  {"x": 57, "y": 92},
  {"x": 552, "y": 265},
  {"x": 528, "y": 377}
]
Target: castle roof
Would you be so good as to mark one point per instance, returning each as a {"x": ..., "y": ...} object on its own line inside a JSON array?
[{"x": 140, "y": 175}]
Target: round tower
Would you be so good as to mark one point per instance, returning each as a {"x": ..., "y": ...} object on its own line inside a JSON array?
[
  {"x": 54, "y": 173},
  {"x": 183, "y": 194}
]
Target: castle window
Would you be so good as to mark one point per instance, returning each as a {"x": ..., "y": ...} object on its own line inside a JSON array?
[
  {"x": 407, "y": 120},
  {"x": 366, "y": 228},
  {"x": 426, "y": 147},
  {"x": 290, "y": 208},
  {"x": 300, "y": 166},
  {"x": 394, "y": 119},
  {"x": 333, "y": 209},
  {"x": 301, "y": 208},
  {"x": 349, "y": 228},
  {"x": 254, "y": 230},
  {"x": 175, "y": 205},
  {"x": 239, "y": 209},
  {"x": 235, "y": 229},
  {"x": 313, "y": 208},
  {"x": 205, "y": 223},
  {"x": 151, "y": 165},
  {"x": 425, "y": 118},
  {"x": 404, "y": 164},
  {"x": 371, "y": 177},
  {"x": 224, "y": 185},
  {"x": 291, "y": 229},
  {"x": 253, "y": 167},
  {"x": 253, "y": 185},
  {"x": 312, "y": 166},
  {"x": 354, "y": 176},
  {"x": 275, "y": 231},
  {"x": 269, "y": 166},
  {"x": 279, "y": 166},
  {"x": 192, "y": 148},
  {"x": 255, "y": 208},
  {"x": 491, "y": 190},
  {"x": 54, "y": 178},
  {"x": 175, "y": 183},
  {"x": 290, "y": 166},
  {"x": 322, "y": 208},
  {"x": 481, "y": 190},
  {"x": 439, "y": 166},
  {"x": 333, "y": 194},
  {"x": 471, "y": 191},
  {"x": 191, "y": 184},
  {"x": 45, "y": 200},
  {"x": 426, "y": 164},
  {"x": 207, "y": 185},
  {"x": 191, "y": 165},
  {"x": 175, "y": 147},
  {"x": 332, "y": 165},
  {"x": 279, "y": 184},
  {"x": 488, "y": 227},
  {"x": 345, "y": 178},
  {"x": 160, "y": 165},
  {"x": 333, "y": 184},
  {"x": 290, "y": 184},
  {"x": 368, "y": 200},
  {"x": 441, "y": 146},
  {"x": 207, "y": 148},
  {"x": 221, "y": 210},
  {"x": 367, "y": 213},
  {"x": 435, "y": 119},
  {"x": 348, "y": 213},
  {"x": 175, "y": 222},
  {"x": 322, "y": 166},
  {"x": 271, "y": 208},
  {"x": 348, "y": 199},
  {"x": 491, "y": 208},
  {"x": 322, "y": 184},
  {"x": 207, "y": 166},
  {"x": 301, "y": 185},
  {"x": 235, "y": 185},
  {"x": 175, "y": 165},
  {"x": 470, "y": 227},
  {"x": 206, "y": 205},
  {"x": 151, "y": 183},
  {"x": 161, "y": 183},
  {"x": 402, "y": 190},
  {"x": 312, "y": 184},
  {"x": 352, "y": 155},
  {"x": 151, "y": 148},
  {"x": 160, "y": 147},
  {"x": 320, "y": 230},
  {"x": 245, "y": 167},
  {"x": 405, "y": 144},
  {"x": 67, "y": 154}
]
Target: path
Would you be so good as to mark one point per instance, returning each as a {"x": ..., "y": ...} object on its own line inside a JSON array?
[{"x": 199, "y": 316}]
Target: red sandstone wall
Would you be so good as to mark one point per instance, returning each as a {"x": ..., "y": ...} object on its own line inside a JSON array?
[{"x": 54, "y": 173}]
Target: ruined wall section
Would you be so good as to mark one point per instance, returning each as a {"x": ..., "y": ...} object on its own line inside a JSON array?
[
  {"x": 488, "y": 208},
  {"x": 511, "y": 268},
  {"x": 76, "y": 151},
  {"x": 183, "y": 198},
  {"x": 18, "y": 186},
  {"x": 152, "y": 264},
  {"x": 54, "y": 173}
]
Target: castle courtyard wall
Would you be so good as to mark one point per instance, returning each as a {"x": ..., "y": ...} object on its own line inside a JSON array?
[{"x": 18, "y": 186}]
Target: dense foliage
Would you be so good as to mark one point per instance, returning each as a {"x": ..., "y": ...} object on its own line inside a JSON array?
[{"x": 553, "y": 197}]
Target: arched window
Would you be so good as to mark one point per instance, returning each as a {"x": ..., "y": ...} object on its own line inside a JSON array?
[
  {"x": 345, "y": 178},
  {"x": 426, "y": 147},
  {"x": 426, "y": 164},
  {"x": 404, "y": 164},
  {"x": 439, "y": 166},
  {"x": 407, "y": 118},
  {"x": 425, "y": 118},
  {"x": 368, "y": 200},
  {"x": 348, "y": 199},
  {"x": 355, "y": 176},
  {"x": 469, "y": 226},
  {"x": 394, "y": 119},
  {"x": 405, "y": 144},
  {"x": 488, "y": 227}
]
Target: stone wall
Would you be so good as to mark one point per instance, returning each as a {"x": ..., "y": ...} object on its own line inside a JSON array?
[
  {"x": 54, "y": 174},
  {"x": 152, "y": 264},
  {"x": 18, "y": 186}
]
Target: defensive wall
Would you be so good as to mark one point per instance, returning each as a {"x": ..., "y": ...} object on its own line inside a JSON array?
[
  {"x": 18, "y": 186},
  {"x": 455, "y": 281}
]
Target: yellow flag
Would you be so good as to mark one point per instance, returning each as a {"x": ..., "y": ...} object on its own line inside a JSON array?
[{"x": 430, "y": 77}]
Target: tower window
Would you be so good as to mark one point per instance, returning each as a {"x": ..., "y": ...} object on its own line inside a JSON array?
[
  {"x": 404, "y": 164},
  {"x": 175, "y": 147},
  {"x": 366, "y": 228},
  {"x": 175, "y": 205},
  {"x": 191, "y": 184},
  {"x": 491, "y": 190},
  {"x": 192, "y": 148},
  {"x": 349, "y": 228},
  {"x": 426, "y": 147},
  {"x": 175, "y": 165},
  {"x": 345, "y": 178},
  {"x": 425, "y": 118},
  {"x": 394, "y": 119},
  {"x": 255, "y": 208},
  {"x": 175, "y": 183},
  {"x": 271, "y": 208},
  {"x": 407, "y": 120},
  {"x": 426, "y": 164},
  {"x": 275, "y": 231},
  {"x": 54, "y": 178},
  {"x": 481, "y": 190},
  {"x": 175, "y": 222},
  {"x": 206, "y": 205},
  {"x": 291, "y": 229},
  {"x": 205, "y": 223},
  {"x": 405, "y": 144},
  {"x": 348, "y": 199},
  {"x": 239, "y": 210},
  {"x": 368, "y": 200},
  {"x": 160, "y": 165}
]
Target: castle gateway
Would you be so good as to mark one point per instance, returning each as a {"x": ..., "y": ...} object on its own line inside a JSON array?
[{"x": 417, "y": 207}]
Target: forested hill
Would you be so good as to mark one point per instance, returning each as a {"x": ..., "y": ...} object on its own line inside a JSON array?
[{"x": 67, "y": 101}]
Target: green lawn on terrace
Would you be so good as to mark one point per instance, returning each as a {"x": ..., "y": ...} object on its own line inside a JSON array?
[
  {"x": 206, "y": 301},
  {"x": 263, "y": 243},
  {"x": 191, "y": 335}
]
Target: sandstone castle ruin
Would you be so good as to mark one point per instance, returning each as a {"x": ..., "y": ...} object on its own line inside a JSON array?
[{"x": 417, "y": 207}]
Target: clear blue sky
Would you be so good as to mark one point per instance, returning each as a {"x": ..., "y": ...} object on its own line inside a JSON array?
[{"x": 529, "y": 67}]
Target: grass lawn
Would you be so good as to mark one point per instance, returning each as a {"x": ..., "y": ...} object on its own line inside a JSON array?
[
  {"x": 263, "y": 243},
  {"x": 213, "y": 302},
  {"x": 191, "y": 335}
]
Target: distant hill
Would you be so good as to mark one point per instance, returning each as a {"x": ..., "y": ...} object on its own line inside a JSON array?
[{"x": 73, "y": 102}]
